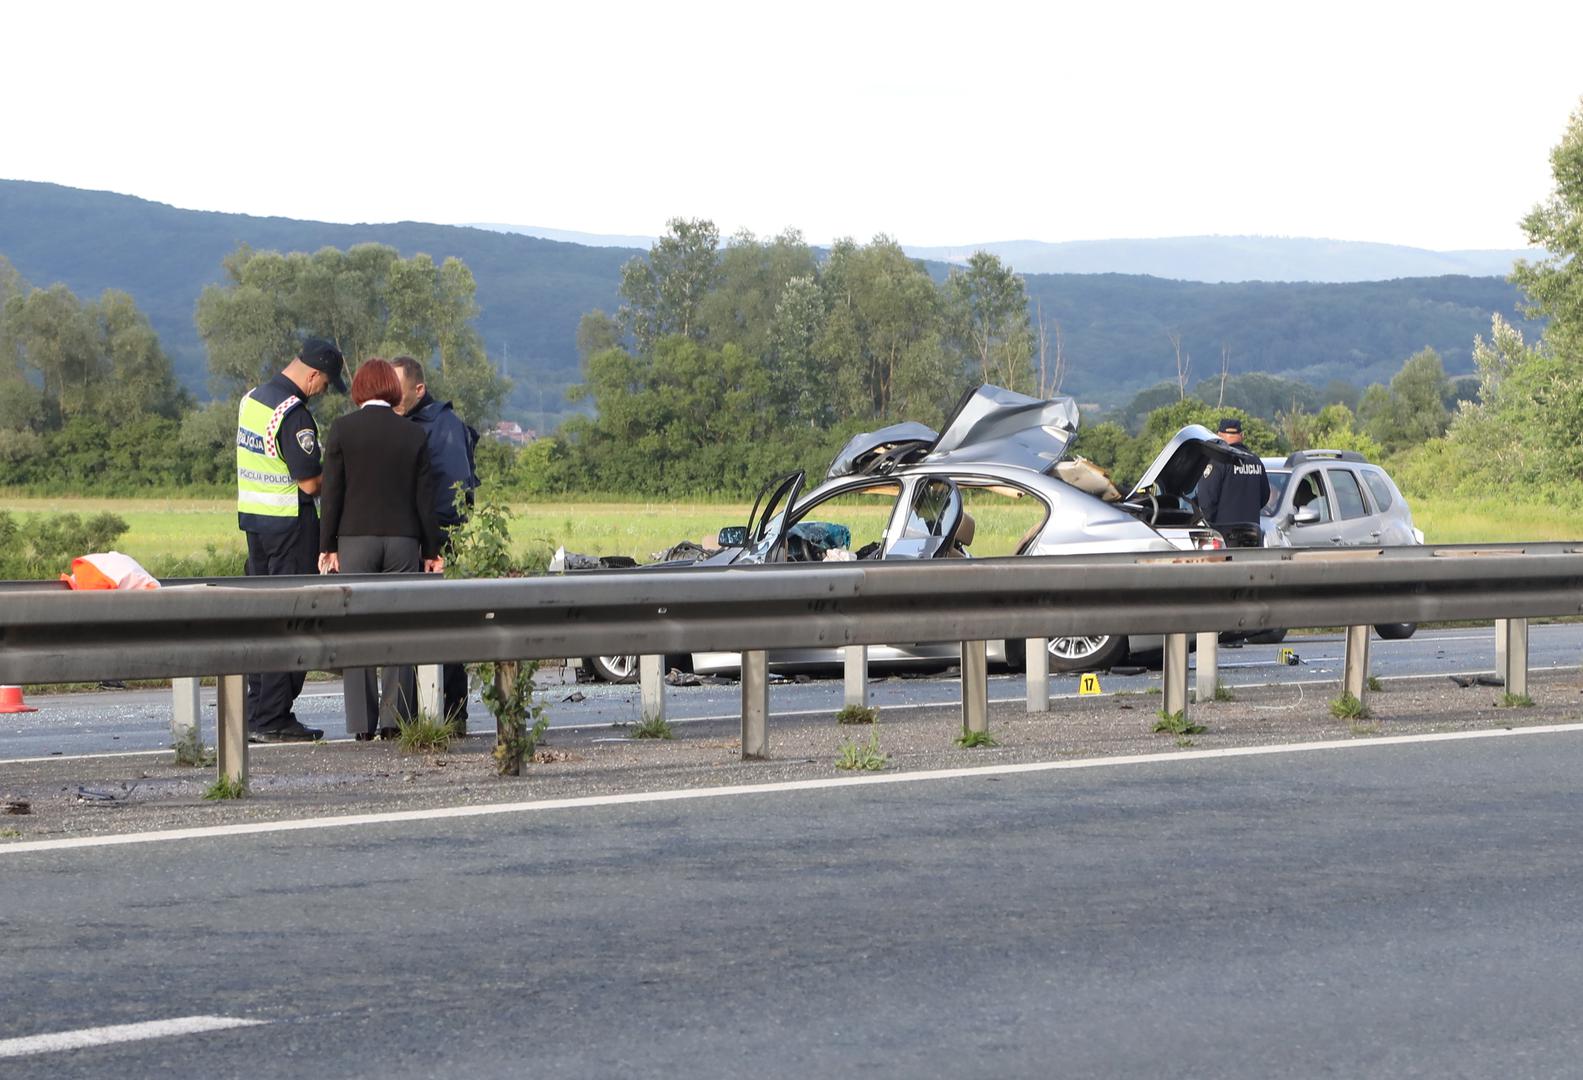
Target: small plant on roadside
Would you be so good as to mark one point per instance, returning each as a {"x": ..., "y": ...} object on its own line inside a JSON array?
[
  {"x": 1374, "y": 684},
  {"x": 1223, "y": 693},
  {"x": 973, "y": 740},
  {"x": 1184, "y": 742},
  {"x": 857, "y": 714},
  {"x": 226, "y": 788},
  {"x": 507, "y": 689},
  {"x": 190, "y": 750},
  {"x": 1176, "y": 724},
  {"x": 652, "y": 727},
  {"x": 1364, "y": 727},
  {"x": 423, "y": 733},
  {"x": 1515, "y": 701},
  {"x": 1347, "y": 707},
  {"x": 864, "y": 756},
  {"x": 10, "y": 834}
]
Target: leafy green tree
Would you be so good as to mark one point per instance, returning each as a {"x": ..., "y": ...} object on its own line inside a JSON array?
[
  {"x": 989, "y": 313},
  {"x": 663, "y": 293},
  {"x": 1413, "y": 409},
  {"x": 1333, "y": 428},
  {"x": 1554, "y": 284},
  {"x": 368, "y": 300},
  {"x": 749, "y": 285}
]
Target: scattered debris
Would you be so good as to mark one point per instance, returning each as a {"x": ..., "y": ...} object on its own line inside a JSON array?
[
  {"x": 15, "y": 806},
  {"x": 575, "y": 696},
  {"x": 802, "y": 678},
  {"x": 678, "y": 677},
  {"x": 1463, "y": 681},
  {"x": 548, "y": 755},
  {"x": 1127, "y": 669},
  {"x": 1489, "y": 680},
  {"x": 90, "y": 795}
]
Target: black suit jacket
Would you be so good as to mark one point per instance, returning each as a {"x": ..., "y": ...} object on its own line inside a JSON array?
[{"x": 377, "y": 481}]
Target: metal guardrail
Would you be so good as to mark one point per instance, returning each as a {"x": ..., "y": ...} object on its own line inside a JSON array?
[{"x": 283, "y": 624}]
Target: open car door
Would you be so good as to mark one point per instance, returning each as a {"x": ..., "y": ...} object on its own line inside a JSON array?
[
  {"x": 767, "y": 535},
  {"x": 933, "y": 520}
]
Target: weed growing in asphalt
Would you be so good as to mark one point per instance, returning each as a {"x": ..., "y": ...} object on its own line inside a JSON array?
[
  {"x": 1515, "y": 701},
  {"x": 1223, "y": 693},
  {"x": 1176, "y": 724},
  {"x": 423, "y": 733},
  {"x": 226, "y": 788},
  {"x": 857, "y": 714},
  {"x": 190, "y": 750},
  {"x": 1375, "y": 684},
  {"x": 1347, "y": 707},
  {"x": 863, "y": 756},
  {"x": 652, "y": 727},
  {"x": 973, "y": 740}
]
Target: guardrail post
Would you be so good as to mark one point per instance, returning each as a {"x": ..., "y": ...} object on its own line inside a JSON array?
[
  {"x": 1500, "y": 647},
  {"x": 651, "y": 686},
  {"x": 1036, "y": 663},
  {"x": 1175, "y": 675},
  {"x": 185, "y": 711},
  {"x": 755, "y": 705},
  {"x": 1515, "y": 671},
  {"x": 230, "y": 754},
  {"x": 1208, "y": 666},
  {"x": 854, "y": 663},
  {"x": 1355, "y": 669},
  {"x": 975, "y": 686},
  {"x": 430, "y": 700}
]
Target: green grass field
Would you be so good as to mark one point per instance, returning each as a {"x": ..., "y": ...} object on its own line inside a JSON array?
[{"x": 164, "y": 529}]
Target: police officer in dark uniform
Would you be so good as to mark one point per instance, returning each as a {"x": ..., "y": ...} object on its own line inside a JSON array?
[
  {"x": 278, "y": 474},
  {"x": 1231, "y": 493}
]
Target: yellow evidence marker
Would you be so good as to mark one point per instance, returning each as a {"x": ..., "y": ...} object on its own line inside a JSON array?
[
  {"x": 1089, "y": 684},
  {"x": 1287, "y": 656}
]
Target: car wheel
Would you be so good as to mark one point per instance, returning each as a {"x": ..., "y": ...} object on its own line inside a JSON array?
[
  {"x": 1087, "y": 653},
  {"x": 616, "y": 669},
  {"x": 1395, "y": 631},
  {"x": 1266, "y": 637}
]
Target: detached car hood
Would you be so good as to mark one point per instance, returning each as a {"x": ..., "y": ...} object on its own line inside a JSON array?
[{"x": 1179, "y": 466}]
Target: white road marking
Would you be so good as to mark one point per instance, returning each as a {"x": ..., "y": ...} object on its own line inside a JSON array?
[
  {"x": 638, "y": 797},
  {"x": 119, "y": 1033}
]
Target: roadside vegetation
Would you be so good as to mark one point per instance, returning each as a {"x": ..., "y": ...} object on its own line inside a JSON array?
[{"x": 727, "y": 363}]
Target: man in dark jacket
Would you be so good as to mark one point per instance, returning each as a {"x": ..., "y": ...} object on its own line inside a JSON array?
[
  {"x": 1231, "y": 493},
  {"x": 451, "y": 463}
]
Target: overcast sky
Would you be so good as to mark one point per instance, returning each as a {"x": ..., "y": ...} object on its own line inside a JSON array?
[{"x": 951, "y": 123}]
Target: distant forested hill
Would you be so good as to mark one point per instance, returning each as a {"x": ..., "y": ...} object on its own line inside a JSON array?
[
  {"x": 1115, "y": 327},
  {"x": 532, "y": 291}
]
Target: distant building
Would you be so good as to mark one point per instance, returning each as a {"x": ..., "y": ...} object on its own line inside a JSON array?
[{"x": 509, "y": 431}]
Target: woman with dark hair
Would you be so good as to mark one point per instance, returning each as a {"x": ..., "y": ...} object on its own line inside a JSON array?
[{"x": 377, "y": 517}]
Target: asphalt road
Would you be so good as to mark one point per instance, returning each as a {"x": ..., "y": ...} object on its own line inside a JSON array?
[
  {"x": 1379, "y": 911},
  {"x": 77, "y": 724}
]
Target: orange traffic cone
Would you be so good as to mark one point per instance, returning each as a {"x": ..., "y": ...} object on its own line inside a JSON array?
[{"x": 11, "y": 700}]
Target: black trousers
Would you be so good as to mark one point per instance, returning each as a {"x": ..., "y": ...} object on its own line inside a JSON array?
[
  {"x": 366, "y": 707},
  {"x": 271, "y": 695}
]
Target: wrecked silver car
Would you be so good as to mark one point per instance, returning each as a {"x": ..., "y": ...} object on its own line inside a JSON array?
[{"x": 908, "y": 492}]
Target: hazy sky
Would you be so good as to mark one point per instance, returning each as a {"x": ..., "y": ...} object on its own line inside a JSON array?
[{"x": 937, "y": 123}]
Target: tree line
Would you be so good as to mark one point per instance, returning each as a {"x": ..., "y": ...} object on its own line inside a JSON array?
[
  {"x": 89, "y": 401},
  {"x": 727, "y": 363}
]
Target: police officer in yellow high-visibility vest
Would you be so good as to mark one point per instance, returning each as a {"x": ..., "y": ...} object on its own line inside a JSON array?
[{"x": 278, "y": 473}]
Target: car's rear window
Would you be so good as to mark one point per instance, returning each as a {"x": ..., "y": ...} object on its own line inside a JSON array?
[
  {"x": 1349, "y": 497},
  {"x": 1381, "y": 488}
]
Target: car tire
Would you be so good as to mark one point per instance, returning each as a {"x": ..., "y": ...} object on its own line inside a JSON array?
[
  {"x": 614, "y": 669},
  {"x": 1266, "y": 637},
  {"x": 1096, "y": 653},
  {"x": 1395, "y": 631}
]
